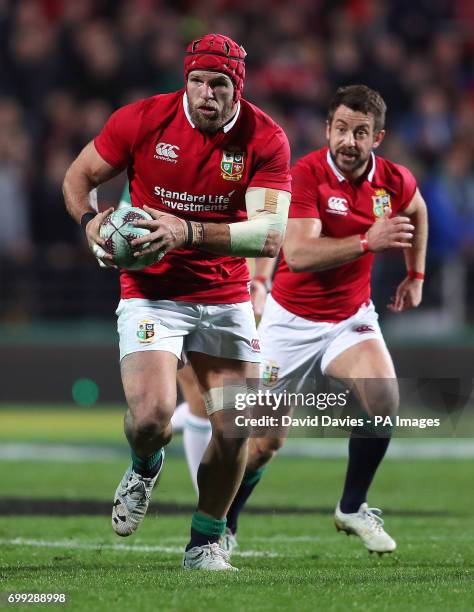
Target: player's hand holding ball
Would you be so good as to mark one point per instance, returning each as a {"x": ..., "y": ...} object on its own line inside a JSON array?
[
  {"x": 164, "y": 232},
  {"x": 96, "y": 242},
  {"x": 390, "y": 233},
  {"x": 119, "y": 232}
]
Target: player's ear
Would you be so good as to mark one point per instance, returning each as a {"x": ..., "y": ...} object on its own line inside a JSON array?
[
  {"x": 379, "y": 136},
  {"x": 328, "y": 128}
]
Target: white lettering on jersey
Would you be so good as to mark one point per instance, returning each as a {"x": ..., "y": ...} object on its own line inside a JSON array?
[
  {"x": 184, "y": 201},
  {"x": 166, "y": 152},
  {"x": 337, "y": 206}
]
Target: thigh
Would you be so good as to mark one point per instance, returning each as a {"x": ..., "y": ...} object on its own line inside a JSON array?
[
  {"x": 361, "y": 329},
  {"x": 191, "y": 392},
  {"x": 149, "y": 381},
  {"x": 222, "y": 382},
  {"x": 292, "y": 348},
  {"x": 367, "y": 369},
  {"x": 212, "y": 372}
]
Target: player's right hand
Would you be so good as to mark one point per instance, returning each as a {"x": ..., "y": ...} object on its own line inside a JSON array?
[
  {"x": 96, "y": 243},
  {"x": 390, "y": 233}
]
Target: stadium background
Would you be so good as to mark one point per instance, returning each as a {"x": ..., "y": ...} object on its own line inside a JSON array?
[{"x": 64, "y": 67}]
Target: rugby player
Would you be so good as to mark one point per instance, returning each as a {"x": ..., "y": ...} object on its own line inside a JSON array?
[
  {"x": 213, "y": 172},
  {"x": 190, "y": 415},
  {"x": 347, "y": 205}
]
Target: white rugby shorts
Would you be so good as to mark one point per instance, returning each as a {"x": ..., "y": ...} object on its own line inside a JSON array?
[
  {"x": 221, "y": 330},
  {"x": 296, "y": 350}
]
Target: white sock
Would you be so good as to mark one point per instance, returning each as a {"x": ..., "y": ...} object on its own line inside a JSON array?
[
  {"x": 179, "y": 417},
  {"x": 196, "y": 436}
]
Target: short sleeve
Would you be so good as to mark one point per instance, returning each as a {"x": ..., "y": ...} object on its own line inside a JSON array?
[
  {"x": 115, "y": 141},
  {"x": 304, "y": 199},
  {"x": 274, "y": 170},
  {"x": 407, "y": 188}
]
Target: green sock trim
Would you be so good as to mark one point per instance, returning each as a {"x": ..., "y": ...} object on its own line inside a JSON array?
[
  {"x": 208, "y": 525},
  {"x": 252, "y": 476},
  {"x": 146, "y": 463}
]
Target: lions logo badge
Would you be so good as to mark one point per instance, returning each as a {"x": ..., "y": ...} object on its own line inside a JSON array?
[
  {"x": 146, "y": 332},
  {"x": 382, "y": 203},
  {"x": 270, "y": 373},
  {"x": 232, "y": 165}
]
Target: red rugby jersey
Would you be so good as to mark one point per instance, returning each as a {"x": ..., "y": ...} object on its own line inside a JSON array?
[
  {"x": 175, "y": 168},
  {"x": 320, "y": 191}
]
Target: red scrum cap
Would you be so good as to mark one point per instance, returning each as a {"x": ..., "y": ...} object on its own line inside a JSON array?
[{"x": 217, "y": 53}]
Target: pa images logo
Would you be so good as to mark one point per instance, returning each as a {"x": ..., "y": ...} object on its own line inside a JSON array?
[
  {"x": 146, "y": 332},
  {"x": 232, "y": 165}
]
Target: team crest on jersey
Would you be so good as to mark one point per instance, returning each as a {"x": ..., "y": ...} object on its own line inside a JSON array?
[
  {"x": 146, "y": 332},
  {"x": 270, "y": 373},
  {"x": 232, "y": 165},
  {"x": 382, "y": 202}
]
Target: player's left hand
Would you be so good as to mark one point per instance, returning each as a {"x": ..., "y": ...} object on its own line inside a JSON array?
[
  {"x": 166, "y": 232},
  {"x": 408, "y": 295}
]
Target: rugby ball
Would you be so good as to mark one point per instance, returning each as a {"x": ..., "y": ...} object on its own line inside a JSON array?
[{"x": 118, "y": 232}]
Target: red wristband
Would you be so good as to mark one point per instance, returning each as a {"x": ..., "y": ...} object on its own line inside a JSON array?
[
  {"x": 260, "y": 279},
  {"x": 412, "y": 275},
  {"x": 364, "y": 243}
]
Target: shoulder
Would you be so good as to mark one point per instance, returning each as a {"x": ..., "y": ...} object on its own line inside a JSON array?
[
  {"x": 158, "y": 104},
  {"x": 313, "y": 163},
  {"x": 154, "y": 106},
  {"x": 394, "y": 177},
  {"x": 262, "y": 125}
]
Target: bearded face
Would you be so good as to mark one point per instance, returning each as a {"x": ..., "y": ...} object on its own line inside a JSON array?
[
  {"x": 210, "y": 99},
  {"x": 352, "y": 137}
]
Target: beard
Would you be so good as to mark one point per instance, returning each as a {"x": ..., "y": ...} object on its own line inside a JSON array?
[
  {"x": 348, "y": 159},
  {"x": 213, "y": 121}
]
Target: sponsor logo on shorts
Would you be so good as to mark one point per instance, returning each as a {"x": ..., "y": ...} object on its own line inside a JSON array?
[
  {"x": 146, "y": 332},
  {"x": 166, "y": 152},
  {"x": 364, "y": 329},
  {"x": 270, "y": 373},
  {"x": 232, "y": 165},
  {"x": 337, "y": 206},
  {"x": 381, "y": 203},
  {"x": 255, "y": 344}
]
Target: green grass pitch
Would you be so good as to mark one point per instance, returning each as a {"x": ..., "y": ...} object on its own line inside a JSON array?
[{"x": 291, "y": 561}]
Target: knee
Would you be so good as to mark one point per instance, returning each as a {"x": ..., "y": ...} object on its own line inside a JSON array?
[
  {"x": 227, "y": 446},
  {"x": 382, "y": 398},
  {"x": 149, "y": 419},
  {"x": 264, "y": 449}
]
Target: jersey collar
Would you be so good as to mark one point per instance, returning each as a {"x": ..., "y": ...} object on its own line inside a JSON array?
[
  {"x": 227, "y": 127},
  {"x": 340, "y": 177}
]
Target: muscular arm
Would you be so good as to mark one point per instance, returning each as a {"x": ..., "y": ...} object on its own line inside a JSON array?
[
  {"x": 260, "y": 236},
  {"x": 410, "y": 291},
  {"x": 307, "y": 251},
  {"x": 416, "y": 256},
  {"x": 86, "y": 172}
]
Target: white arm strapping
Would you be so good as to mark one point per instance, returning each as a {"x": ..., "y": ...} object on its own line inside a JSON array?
[{"x": 267, "y": 209}]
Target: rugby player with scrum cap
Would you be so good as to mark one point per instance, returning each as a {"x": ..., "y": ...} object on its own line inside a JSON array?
[{"x": 213, "y": 171}]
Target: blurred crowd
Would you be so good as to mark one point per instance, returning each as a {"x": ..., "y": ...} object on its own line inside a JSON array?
[{"x": 65, "y": 65}]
